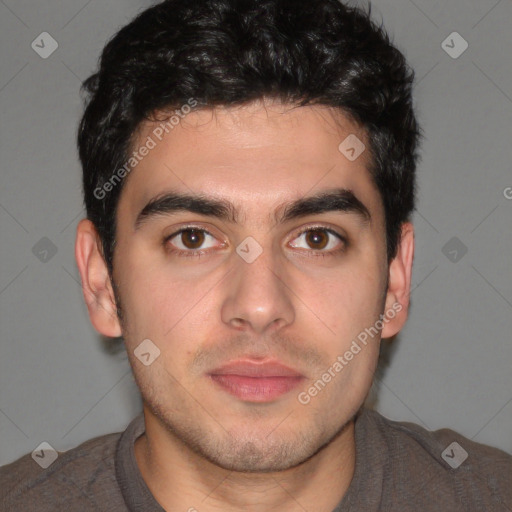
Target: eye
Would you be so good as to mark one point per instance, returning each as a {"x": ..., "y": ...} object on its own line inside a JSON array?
[
  {"x": 321, "y": 239},
  {"x": 190, "y": 239}
]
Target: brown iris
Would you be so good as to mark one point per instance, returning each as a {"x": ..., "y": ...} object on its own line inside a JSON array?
[
  {"x": 314, "y": 237},
  {"x": 192, "y": 238}
]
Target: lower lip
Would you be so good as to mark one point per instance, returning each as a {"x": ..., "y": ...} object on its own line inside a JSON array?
[{"x": 256, "y": 389}]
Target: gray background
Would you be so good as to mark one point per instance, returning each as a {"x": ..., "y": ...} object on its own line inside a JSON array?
[{"x": 450, "y": 366}]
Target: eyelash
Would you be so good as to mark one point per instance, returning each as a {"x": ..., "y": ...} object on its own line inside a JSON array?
[{"x": 315, "y": 253}]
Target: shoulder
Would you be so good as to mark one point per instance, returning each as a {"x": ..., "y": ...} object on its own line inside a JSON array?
[
  {"x": 76, "y": 477},
  {"x": 444, "y": 464}
]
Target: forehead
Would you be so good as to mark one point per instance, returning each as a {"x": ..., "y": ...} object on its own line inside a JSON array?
[{"x": 256, "y": 156}]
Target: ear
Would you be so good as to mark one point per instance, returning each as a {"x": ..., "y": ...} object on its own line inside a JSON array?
[
  {"x": 399, "y": 285},
  {"x": 96, "y": 284}
]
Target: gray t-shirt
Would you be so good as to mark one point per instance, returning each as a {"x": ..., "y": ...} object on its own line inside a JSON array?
[{"x": 399, "y": 467}]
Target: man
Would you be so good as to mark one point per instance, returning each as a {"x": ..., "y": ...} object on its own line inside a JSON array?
[{"x": 249, "y": 177}]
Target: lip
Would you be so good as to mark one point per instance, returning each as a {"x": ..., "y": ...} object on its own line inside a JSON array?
[
  {"x": 256, "y": 381},
  {"x": 248, "y": 368}
]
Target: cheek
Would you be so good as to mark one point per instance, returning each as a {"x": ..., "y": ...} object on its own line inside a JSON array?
[
  {"x": 350, "y": 299},
  {"x": 161, "y": 304}
]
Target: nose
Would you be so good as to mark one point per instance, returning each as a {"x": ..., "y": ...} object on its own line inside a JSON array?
[{"x": 257, "y": 295}]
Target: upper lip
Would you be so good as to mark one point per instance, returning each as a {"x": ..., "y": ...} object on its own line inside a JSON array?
[{"x": 256, "y": 369}]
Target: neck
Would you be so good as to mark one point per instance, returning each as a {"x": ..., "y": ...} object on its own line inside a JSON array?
[{"x": 180, "y": 479}]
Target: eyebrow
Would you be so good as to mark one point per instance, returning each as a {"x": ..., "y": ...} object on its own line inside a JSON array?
[{"x": 333, "y": 200}]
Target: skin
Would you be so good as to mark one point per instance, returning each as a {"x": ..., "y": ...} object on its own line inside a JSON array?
[{"x": 204, "y": 448}]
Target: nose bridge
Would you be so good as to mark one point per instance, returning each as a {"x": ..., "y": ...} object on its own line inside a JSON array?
[{"x": 257, "y": 296}]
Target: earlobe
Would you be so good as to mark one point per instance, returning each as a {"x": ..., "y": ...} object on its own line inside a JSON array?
[
  {"x": 96, "y": 285},
  {"x": 399, "y": 285}
]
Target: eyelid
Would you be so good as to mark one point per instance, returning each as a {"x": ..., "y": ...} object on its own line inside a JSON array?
[
  {"x": 186, "y": 228},
  {"x": 323, "y": 227},
  {"x": 299, "y": 231}
]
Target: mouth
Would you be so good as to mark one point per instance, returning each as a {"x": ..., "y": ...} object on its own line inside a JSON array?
[{"x": 256, "y": 381}]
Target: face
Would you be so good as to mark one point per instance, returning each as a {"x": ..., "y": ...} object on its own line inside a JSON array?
[{"x": 250, "y": 308}]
